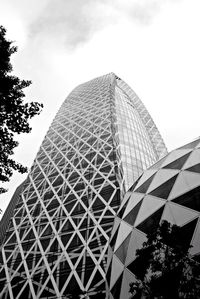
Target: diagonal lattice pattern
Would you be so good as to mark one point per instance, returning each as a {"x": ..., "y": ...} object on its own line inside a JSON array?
[
  {"x": 99, "y": 142},
  {"x": 169, "y": 190}
]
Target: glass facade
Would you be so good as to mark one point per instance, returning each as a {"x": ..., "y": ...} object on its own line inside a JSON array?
[
  {"x": 99, "y": 142},
  {"x": 168, "y": 190},
  {"x": 135, "y": 144}
]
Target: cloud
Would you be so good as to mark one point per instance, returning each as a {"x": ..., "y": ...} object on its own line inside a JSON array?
[
  {"x": 142, "y": 11},
  {"x": 73, "y": 23}
]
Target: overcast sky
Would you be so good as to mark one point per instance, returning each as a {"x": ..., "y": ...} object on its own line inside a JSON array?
[{"x": 153, "y": 45}]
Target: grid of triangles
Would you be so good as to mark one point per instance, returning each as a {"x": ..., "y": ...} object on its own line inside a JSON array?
[
  {"x": 57, "y": 240},
  {"x": 169, "y": 190}
]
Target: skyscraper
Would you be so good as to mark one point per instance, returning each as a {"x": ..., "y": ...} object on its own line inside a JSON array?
[{"x": 100, "y": 141}]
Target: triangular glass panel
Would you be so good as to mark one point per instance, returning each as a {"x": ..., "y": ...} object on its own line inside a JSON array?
[
  {"x": 133, "y": 201},
  {"x": 174, "y": 155},
  {"x": 193, "y": 159},
  {"x": 161, "y": 177},
  {"x": 188, "y": 231},
  {"x": 123, "y": 232},
  {"x": 117, "y": 269},
  {"x": 167, "y": 215},
  {"x": 177, "y": 164},
  {"x": 121, "y": 252},
  {"x": 132, "y": 267},
  {"x": 163, "y": 190},
  {"x": 159, "y": 164},
  {"x": 194, "y": 168},
  {"x": 127, "y": 279},
  {"x": 150, "y": 204},
  {"x": 151, "y": 222},
  {"x": 185, "y": 182},
  {"x": 130, "y": 218},
  {"x": 144, "y": 177},
  {"x": 195, "y": 249},
  {"x": 190, "y": 145},
  {"x": 143, "y": 188},
  {"x": 190, "y": 199},
  {"x": 136, "y": 241},
  {"x": 116, "y": 290},
  {"x": 179, "y": 214}
]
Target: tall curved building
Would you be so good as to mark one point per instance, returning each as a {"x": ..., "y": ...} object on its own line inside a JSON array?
[{"x": 100, "y": 141}]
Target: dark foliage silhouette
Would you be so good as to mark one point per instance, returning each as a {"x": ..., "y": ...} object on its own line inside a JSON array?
[
  {"x": 164, "y": 268},
  {"x": 14, "y": 113}
]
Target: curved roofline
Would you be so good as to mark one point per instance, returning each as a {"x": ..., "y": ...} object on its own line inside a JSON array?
[{"x": 153, "y": 132}]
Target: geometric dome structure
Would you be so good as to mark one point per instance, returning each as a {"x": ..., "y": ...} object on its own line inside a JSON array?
[
  {"x": 99, "y": 143},
  {"x": 169, "y": 190}
]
